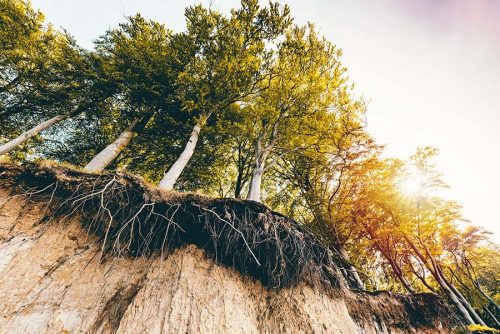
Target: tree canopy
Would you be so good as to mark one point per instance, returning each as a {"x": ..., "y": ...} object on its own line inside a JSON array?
[{"x": 247, "y": 105}]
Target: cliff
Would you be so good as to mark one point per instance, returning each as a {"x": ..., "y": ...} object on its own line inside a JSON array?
[{"x": 84, "y": 253}]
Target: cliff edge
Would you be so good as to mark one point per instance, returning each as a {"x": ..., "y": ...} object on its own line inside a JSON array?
[{"x": 86, "y": 253}]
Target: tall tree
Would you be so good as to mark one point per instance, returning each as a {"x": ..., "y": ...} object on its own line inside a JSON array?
[
  {"x": 305, "y": 76},
  {"x": 136, "y": 59},
  {"x": 324, "y": 173},
  {"x": 229, "y": 64},
  {"x": 44, "y": 75},
  {"x": 401, "y": 203}
]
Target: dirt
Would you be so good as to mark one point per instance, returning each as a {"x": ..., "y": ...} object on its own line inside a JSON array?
[{"x": 55, "y": 277}]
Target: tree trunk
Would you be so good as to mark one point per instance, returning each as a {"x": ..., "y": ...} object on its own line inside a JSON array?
[
  {"x": 446, "y": 289},
  {"x": 261, "y": 154},
  {"x": 455, "y": 300},
  {"x": 239, "y": 185},
  {"x": 399, "y": 274},
  {"x": 243, "y": 170},
  {"x": 254, "y": 192},
  {"x": 170, "y": 178},
  {"x": 101, "y": 160},
  {"x": 464, "y": 302},
  {"x": 9, "y": 146},
  {"x": 396, "y": 269},
  {"x": 422, "y": 278},
  {"x": 351, "y": 272},
  {"x": 425, "y": 283},
  {"x": 492, "y": 316},
  {"x": 470, "y": 273},
  {"x": 351, "y": 275},
  {"x": 485, "y": 295},
  {"x": 459, "y": 295},
  {"x": 354, "y": 276}
]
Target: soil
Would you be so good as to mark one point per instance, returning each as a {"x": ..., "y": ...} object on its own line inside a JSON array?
[{"x": 59, "y": 273}]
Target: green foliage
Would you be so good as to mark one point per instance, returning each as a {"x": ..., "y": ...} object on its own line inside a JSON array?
[
  {"x": 41, "y": 69},
  {"x": 229, "y": 55},
  {"x": 268, "y": 94},
  {"x": 43, "y": 73}
]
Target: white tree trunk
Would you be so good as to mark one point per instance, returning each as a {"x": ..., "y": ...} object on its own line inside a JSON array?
[
  {"x": 7, "y": 147},
  {"x": 478, "y": 287},
  {"x": 464, "y": 302},
  {"x": 261, "y": 154},
  {"x": 455, "y": 300},
  {"x": 110, "y": 152},
  {"x": 170, "y": 178},
  {"x": 254, "y": 193},
  {"x": 434, "y": 270},
  {"x": 352, "y": 272}
]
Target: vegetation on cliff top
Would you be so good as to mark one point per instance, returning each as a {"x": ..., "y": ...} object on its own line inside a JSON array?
[
  {"x": 246, "y": 103},
  {"x": 133, "y": 218}
]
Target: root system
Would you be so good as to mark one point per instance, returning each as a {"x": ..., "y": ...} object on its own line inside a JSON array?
[{"x": 133, "y": 218}]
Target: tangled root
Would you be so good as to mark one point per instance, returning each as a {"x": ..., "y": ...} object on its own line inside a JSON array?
[{"x": 131, "y": 217}]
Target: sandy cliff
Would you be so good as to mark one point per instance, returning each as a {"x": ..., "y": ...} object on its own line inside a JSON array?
[{"x": 56, "y": 277}]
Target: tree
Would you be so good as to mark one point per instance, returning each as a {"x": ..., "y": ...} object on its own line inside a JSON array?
[
  {"x": 305, "y": 75},
  {"x": 469, "y": 253},
  {"x": 418, "y": 219},
  {"x": 229, "y": 63},
  {"x": 321, "y": 175},
  {"x": 136, "y": 58},
  {"x": 44, "y": 75}
]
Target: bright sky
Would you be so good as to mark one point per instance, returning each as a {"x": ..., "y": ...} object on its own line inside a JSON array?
[{"x": 430, "y": 69}]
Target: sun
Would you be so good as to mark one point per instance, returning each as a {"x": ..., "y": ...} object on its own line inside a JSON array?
[{"x": 412, "y": 184}]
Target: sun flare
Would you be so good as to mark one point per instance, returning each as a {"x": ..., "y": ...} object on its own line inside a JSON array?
[{"x": 412, "y": 184}]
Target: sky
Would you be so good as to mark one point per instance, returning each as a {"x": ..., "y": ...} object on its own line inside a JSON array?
[{"x": 430, "y": 70}]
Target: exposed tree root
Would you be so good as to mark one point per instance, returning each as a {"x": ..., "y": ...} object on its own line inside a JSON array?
[{"x": 131, "y": 217}]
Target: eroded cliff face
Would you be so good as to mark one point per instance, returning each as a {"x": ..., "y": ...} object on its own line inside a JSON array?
[{"x": 56, "y": 278}]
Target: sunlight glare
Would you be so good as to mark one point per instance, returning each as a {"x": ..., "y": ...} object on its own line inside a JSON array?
[{"x": 412, "y": 184}]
